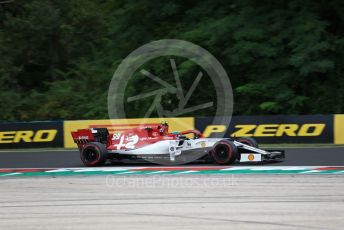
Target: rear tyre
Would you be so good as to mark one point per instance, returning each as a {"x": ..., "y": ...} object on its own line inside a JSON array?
[
  {"x": 224, "y": 152},
  {"x": 94, "y": 154},
  {"x": 248, "y": 141}
]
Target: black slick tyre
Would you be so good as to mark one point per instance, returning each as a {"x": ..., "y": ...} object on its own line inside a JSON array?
[
  {"x": 94, "y": 154},
  {"x": 224, "y": 152}
]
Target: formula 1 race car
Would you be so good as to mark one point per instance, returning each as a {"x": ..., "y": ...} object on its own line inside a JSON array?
[{"x": 155, "y": 144}]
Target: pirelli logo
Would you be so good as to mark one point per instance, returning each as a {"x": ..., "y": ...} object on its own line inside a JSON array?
[
  {"x": 31, "y": 134},
  {"x": 268, "y": 130},
  {"x": 27, "y": 136},
  {"x": 271, "y": 130}
]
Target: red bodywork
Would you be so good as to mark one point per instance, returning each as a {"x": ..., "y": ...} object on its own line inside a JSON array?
[
  {"x": 131, "y": 139},
  {"x": 139, "y": 137}
]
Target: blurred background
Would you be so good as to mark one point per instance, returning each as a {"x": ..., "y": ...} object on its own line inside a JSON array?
[{"x": 58, "y": 56}]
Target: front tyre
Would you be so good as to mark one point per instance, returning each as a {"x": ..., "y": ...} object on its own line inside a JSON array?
[
  {"x": 94, "y": 154},
  {"x": 224, "y": 152},
  {"x": 248, "y": 141}
]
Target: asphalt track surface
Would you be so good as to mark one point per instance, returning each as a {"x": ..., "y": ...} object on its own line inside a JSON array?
[
  {"x": 260, "y": 202},
  {"x": 320, "y": 156}
]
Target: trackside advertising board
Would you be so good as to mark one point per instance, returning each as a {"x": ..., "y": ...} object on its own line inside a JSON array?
[
  {"x": 118, "y": 125},
  {"x": 339, "y": 129},
  {"x": 273, "y": 129},
  {"x": 31, "y": 134},
  {"x": 266, "y": 129}
]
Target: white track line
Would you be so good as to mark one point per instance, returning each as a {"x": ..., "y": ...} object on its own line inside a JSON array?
[
  {"x": 156, "y": 172},
  {"x": 186, "y": 172},
  {"x": 11, "y": 174}
]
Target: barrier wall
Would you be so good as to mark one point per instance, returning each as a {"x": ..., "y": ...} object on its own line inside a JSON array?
[{"x": 266, "y": 129}]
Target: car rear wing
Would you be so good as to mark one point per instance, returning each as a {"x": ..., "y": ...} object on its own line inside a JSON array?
[{"x": 84, "y": 136}]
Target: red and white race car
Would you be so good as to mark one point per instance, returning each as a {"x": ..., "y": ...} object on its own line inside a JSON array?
[{"x": 155, "y": 144}]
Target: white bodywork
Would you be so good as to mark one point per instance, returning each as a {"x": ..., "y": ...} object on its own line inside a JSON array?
[{"x": 173, "y": 148}]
